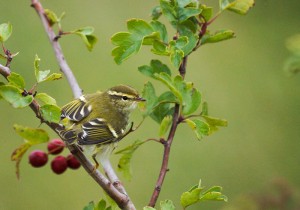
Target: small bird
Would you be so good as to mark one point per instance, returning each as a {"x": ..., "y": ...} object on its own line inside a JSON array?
[{"x": 97, "y": 121}]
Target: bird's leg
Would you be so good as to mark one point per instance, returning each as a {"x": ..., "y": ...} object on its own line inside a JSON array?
[{"x": 96, "y": 162}]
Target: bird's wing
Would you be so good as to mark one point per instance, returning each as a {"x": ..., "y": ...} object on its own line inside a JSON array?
[
  {"x": 98, "y": 131},
  {"x": 76, "y": 110}
]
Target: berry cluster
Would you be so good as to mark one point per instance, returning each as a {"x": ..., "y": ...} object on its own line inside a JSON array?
[{"x": 59, "y": 163}]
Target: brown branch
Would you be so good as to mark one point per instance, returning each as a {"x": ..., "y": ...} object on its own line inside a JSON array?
[
  {"x": 115, "y": 190},
  {"x": 168, "y": 143}
]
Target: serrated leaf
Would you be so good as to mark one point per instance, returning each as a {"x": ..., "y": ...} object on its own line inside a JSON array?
[
  {"x": 213, "y": 194},
  {"x": 17, "y": 156},
  {"x": 14, "y": 96},
  {"x": 165, "y": 125},
  {"x": 31, "y": 135},
  {"x": 156, "y": 66},
  {"x": 50, "y": 113},
  {"x": 161, "y": 29},
  {"x": 214, "y": 123},
  {"x": 5, "y": 31},
  {"x": 218, "y": 36},
  {"x": 190, "y": 197},
  {"x": 186, "y": 29},
  {"x": 124, "y": 164},
  {"x": 167, "y": 80},
  {"x": 140, "y": 32},
  {"x": 186, "y": 13},
  {"x": 238, "y": 6},
  {"x": 191, "y": 97},
  {"x": 16, "y": 80},
  {"x": 167, "y": 205},
  {"x": 86, "y": 34},
  {"x": 139, "y": 27},
  {"x": 200, "y": 127},
  {"x": 45, "y": 98}
]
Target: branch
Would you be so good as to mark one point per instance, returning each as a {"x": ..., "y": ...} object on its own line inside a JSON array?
[
  {"x": 167, "y": 144},
  {"x": 64, "y": 67},
  {"x": 115, "y": 190}
]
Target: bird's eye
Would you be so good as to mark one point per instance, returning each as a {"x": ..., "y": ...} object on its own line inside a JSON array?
[{"x": 124, "y": 98}]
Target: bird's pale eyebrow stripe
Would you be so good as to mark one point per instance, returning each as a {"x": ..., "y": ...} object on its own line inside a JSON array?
[{"x": 114, "y": 93}]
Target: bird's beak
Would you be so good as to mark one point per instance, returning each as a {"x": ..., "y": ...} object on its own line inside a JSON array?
[{"x": 140, "y": 99}]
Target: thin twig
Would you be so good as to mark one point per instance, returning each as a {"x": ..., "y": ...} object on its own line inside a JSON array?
[
  {"x": 167, "y": 144},
  {"x": 77, "y": 92}
]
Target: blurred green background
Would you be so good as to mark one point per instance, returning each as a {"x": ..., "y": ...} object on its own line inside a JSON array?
[{"x": 242, "y": 80}]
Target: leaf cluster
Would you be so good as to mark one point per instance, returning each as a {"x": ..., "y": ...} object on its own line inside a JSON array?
[{"x": 85, "y": 33}]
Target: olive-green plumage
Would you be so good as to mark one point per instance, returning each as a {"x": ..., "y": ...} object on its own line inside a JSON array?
[{"x": 98, "y": 119}]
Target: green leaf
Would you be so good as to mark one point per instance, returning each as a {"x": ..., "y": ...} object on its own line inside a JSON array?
[
  {"x": 238, "y": 6},
  {"x": 165, "y": 125},
  {"x": 124, "y": 165},
  {"x": 18, "y": 154},
  {"x": 50, "y": 113},
  {"x": 45, "y": 98},
  {"x": 200, "y": 127},
  {"x": 207, "y": 12},
  {"x": 161, "y": 29},
  {"x": 167, "y": 80},
  {"x": 128, "y": 44},
  {"x": 52, "y": 77},
  {"x": 167, "y": 205},
  {"x": 163, "y": 106},
  {"x": 90, "y": 206},
  {"x": 52, "y": 17},
  {"x": 14, "y": 96},
  {"x": 218, "y": 36},
  {"x": 87, "y": 36},
  {"x": 101, "y": 205},
  {"x": 204, "y": 108},
  {"x": 214, "y": 123},
  {"x": 5, "y": 31},
  {"x": 32, "y": 135},
  {"x": 176, "y": 52},
  {"x": 156, "y": 13},
  {"x": 149, "y": 95},
  {"x": 191, "y": 97},
  {"x": 186, "y": 13},
  {"x": 156, "y": 66},
  {"x": 190, "y": 197},
  {"x": 168, "y": 10},
  {"x": 16, "y": 80},
  {"x": 186, "y": 30},
  {"x": 213, "y": 194}
]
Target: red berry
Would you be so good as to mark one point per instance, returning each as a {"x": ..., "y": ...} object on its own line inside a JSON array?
[
  {"x": 59, "y": 164},
  {"x": 73, "y": 163},
  {"x": 38, "y": 158},
  {"x": 55, "y": 146}
]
